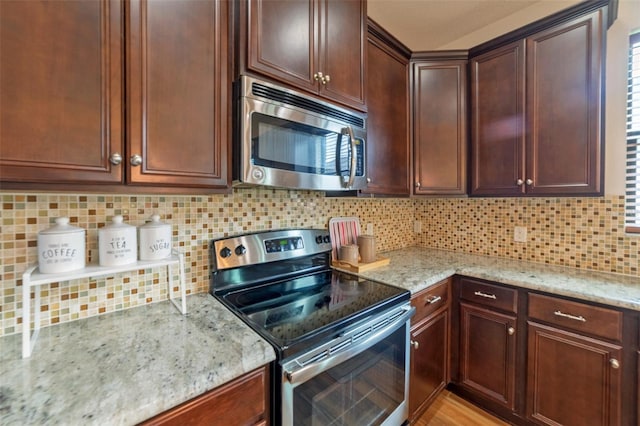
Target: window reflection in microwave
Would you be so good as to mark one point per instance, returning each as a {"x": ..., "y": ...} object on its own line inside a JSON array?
[{"x": 286, "y": 145}]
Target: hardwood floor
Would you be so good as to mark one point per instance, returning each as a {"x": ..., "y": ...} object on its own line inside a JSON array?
[{"x": 451, "y": 410}]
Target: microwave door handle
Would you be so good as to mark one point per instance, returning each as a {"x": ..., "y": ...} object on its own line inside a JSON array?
[{"x": 352, "y": 169}]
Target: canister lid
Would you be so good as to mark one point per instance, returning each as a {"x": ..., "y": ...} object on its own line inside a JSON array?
[
  {"x": 61, "y": 227},
  {"x": 116, "y": 223},
  {"x": 155, "y": 223}
]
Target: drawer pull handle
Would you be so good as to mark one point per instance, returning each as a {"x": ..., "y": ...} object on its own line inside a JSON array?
[
  {"x": 615, "y": 364},
  {"x": 415, "y": 344},
  {"x": 573, "y": 317},
  {"x": 433, "y": 299},
  {"x": 485, "y": 295}
]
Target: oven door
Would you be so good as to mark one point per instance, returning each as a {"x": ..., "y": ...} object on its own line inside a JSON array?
[{"x": 359, "y": 378}]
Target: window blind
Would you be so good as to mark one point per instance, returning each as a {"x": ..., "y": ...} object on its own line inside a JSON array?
[{"x": 632, "y": 183}]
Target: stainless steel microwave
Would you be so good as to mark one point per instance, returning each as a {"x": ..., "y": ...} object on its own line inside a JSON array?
[{"x": 290, "y": 140}]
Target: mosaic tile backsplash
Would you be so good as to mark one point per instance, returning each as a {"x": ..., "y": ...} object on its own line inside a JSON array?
[
  {"x": 195, "y": 221},
  {"x": 583, "y": 233},
  {"x": 577, "y": 232}
]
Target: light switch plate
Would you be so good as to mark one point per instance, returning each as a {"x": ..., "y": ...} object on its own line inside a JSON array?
[{"x": 369, "y": 228}]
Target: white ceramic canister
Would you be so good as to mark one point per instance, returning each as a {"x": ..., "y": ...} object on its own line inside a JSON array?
[
  {"x": 117, "y": 243},
  {"x": 155, "y": 239},
  {"x": 61, "y": 248}
]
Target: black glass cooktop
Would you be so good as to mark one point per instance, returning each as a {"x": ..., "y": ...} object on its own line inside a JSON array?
[{"x": 299, "y": 311}]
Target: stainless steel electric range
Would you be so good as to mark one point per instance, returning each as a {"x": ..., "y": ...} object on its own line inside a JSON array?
[{"x": 341, "y": 342}]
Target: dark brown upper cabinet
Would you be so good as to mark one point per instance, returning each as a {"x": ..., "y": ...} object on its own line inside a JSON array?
[
  {"x": 439, "y": 125},
  {"x": 61, "y": 92},
  {"x": 178, "y": 97},
  {"x": 536, "y": 112},
  {"x": 388, "y": 147},
  {"x": 497, "y": 121},
  {"x": 63, "y": 104},
  {"x": 315, "y": 45}
]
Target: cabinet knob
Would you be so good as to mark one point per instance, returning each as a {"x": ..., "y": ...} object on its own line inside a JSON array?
[
  {"x": 417, "y": 184},
  {"x": 415, "y": 344},
  {"x": 529, "y": 182},
  {"x": 115, "y": 158},
  {"x": 519, "y": 182},
  {"x": 135, "y": 160},
  {"x": 511, "y": 331},
  {"x": 614, "y": 363},
  {"x": 368, "y": 180},
  {"x": 323, "y": 79}
]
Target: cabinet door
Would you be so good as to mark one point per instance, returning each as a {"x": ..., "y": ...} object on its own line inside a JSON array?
[
  {"x": 177, "y": 92},
  {"x": 564, "y": 91},
  {"x": 343, "y": 30},
  {"x": 60, "y": 91},
  {"x": 497, "y": 121},
  {"x": 283, "y": 40},
  {"x": 440, "y": 129},
  {"x": 487, "y": 354},
  {"x": 429, "y": 361},
  {"x": 572, "y": 380},
  {"x": 387, "y": 121}
]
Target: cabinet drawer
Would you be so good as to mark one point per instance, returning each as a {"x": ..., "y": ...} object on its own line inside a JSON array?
[
  {"x": 430, "y": 300},
  {"x": 494, "y": 296},
  {"x": 588, "y": 319}
]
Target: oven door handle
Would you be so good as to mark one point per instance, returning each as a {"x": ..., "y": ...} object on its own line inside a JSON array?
[{"x": 299, "y": 374}]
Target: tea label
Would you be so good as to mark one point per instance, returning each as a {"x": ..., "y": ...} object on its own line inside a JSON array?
[{"x": 119, "y": 248}]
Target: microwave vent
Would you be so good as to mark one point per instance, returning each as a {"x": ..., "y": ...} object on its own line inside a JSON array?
[{"x": 261, "y": 90}]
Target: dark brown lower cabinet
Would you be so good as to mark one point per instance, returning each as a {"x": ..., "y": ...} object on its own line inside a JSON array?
[
  {"x": 572, "y": 379},
  {"x": 429, "y": 362},
  {"x": 487, "y": 354},
  {"x": 244, "y": 401},
  {"x": 430, "y": 347}
]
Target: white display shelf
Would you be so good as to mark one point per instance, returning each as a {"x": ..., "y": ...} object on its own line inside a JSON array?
[{"x": 32, "y": 277}]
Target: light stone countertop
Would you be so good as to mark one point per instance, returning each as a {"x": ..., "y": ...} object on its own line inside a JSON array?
[
  {"x": 124, "y": 367},
  {"x": 416, "y": 269}
]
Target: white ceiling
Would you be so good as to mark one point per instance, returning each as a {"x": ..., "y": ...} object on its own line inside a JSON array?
[{"x": 424, "y": 25}]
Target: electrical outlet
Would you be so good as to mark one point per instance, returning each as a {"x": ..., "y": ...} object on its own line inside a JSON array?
[
  {"x": 520, "y": 234},
  {"x": 369, "y": 228},
  {"x": 417, "y": 226}
]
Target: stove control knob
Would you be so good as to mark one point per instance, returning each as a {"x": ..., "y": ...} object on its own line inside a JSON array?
[
  {"x": 225, "y": 252},
  {"x": 327, "y": 239},
  {"x": 240, "y": 250},
  {"x": 319, "y": 239}
]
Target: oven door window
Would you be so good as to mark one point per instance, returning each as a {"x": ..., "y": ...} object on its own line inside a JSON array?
[
  {"x": 287, "y": 145},
  {"x": 363, "y": 390}
]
